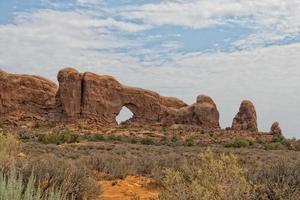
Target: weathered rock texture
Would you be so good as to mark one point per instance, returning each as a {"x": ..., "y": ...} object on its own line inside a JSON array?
[
  {"x": 275, "y": 129},
  {"x": 246, "y": 118},
  {"x": 97, "y": 99},
  {"x": 69, "y": 94},
  {"x": 25, "y": 98},
  {"x": 203, "y": 113}
]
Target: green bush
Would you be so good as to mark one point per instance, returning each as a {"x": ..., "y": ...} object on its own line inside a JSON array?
[
  {"x": 277, "y": 138},
  {"x": 99, "y": 137},
  {"x": 164, "y": 141},
  {"x": 278, "y": 143},
  {"x": 189, "y": 142},
  {"x": 238, "y": 143},
  {"x": 133, "y": 141},
  {"x": 147, "y": 141},
  {"x": 12, "y": 187},
  {"x": 115, "y": 138},
  {"x": 59, "y": 138},
  {"x": 95, "y": 137},
  {"x": 274, "y": 146},
  {"x": 174, "y": 139}
]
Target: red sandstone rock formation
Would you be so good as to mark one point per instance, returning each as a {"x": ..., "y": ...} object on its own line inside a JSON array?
[
  {"x": 70, "y": 92},
  {"x": 275, "y": 129},
  {"x": 25, "y": 98},
  {"x": 98, "y": 99},
  {"x": 246, "y": 118},
  {"x": 203, "y": 113}
]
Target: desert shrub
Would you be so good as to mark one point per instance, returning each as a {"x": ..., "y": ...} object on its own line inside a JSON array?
[
  {"x": 296, "y": 145},
  {"x": 9, "y": 145},
  {"x": 215, "y": 179},
  {"x": 59, "y": 138},
  {"x": 274, "y": 146},
  {"x": 164, "y": 140},
  {"x": 238, "y": 142},
  {"x": 99, "y": 137},
  {"x": 133, "y": 141},
  {"x": 94, "y": 137},
  {"x": 72, "y": 179},
  {"x": 12, "y": 187},
  {"x": 154, "y": 166},
  {"x": 173, "y": 141},
  {"x": 113, "y": 166},
  {"x": 277, "y": 138},
  {"x": 25, "y": 135},
  {"x": 278, "y": 143},
  {"x": 280, "y": 181},
  {"x": 147, "y": 141},
  {"x": 115, "y": 138},
  {"x": 37, "y": 125},
  {"x": 189, "y": 142},
  {"x": 9, "y": 148}
]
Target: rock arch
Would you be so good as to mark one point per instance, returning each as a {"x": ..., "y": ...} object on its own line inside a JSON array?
[
  {"x": 125, "y": 115},
  {"x": 97, "y": 99}
]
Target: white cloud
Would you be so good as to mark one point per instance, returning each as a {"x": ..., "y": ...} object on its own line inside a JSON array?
[
  {"x": 268, "y": 76},
  {"x": 89, "y": 1},
  {"x": 271, "y": 20},
  {"x": 50, "y": 39},
  {"x": 42, "y": 42}
]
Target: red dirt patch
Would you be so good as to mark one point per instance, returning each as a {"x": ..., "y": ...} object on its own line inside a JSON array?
[{"x": 131, "y": 186}]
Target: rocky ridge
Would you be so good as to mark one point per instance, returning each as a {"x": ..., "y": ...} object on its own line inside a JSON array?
[{"x": 96, "y": 100}]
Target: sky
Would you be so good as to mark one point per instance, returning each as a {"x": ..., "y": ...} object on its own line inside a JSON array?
[{"x": 231, "y": 50}]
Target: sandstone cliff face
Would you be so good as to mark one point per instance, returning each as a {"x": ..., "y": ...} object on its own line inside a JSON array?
[
  {"x": 203, "y": 113},
  {"x": 101, "y": 98},
  {"x": 70, "y": 92},
  {"x": 98, "y": 99},
  {"x": 246, "y": 118},
  {"x": 25, "y": 98}
]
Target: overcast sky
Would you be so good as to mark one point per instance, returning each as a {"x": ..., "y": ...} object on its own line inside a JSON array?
[{"x": 230, "y": 50}]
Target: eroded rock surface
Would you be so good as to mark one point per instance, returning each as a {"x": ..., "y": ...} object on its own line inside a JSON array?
[
  {"x": 275, "y": 129},
  {"x": 98, "y": 99},
  {"x": 25, "y": 98},
  {"x": 70, "y": 92},
  {"x": 246, "y": 118},
  {"x": 102, "y": 98},
  {"x": 203, "y": 113}
]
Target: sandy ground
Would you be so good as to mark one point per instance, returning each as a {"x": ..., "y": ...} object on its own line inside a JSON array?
[{"x": 127, "y": 189}]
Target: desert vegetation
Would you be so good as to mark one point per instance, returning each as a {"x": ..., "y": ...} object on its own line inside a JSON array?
[
  {"x": 42, "y": 177},
  {"x": 69, "y": 165},
  {"x": 222, "y": 178}
]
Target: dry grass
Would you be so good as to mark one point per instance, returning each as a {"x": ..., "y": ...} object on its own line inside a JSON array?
[
  {"x": 42, "y": 176},
  {"x": 76, "y": 166},
  {"x": 70, "y": 177},
  {"x": 215, "y": 178}
]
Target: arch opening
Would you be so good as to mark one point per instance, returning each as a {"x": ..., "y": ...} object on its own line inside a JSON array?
[{"x": 124, "y": 115}]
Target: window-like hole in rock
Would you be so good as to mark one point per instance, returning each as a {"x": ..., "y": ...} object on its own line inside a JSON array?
[{"x": 124, "y": 115}]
